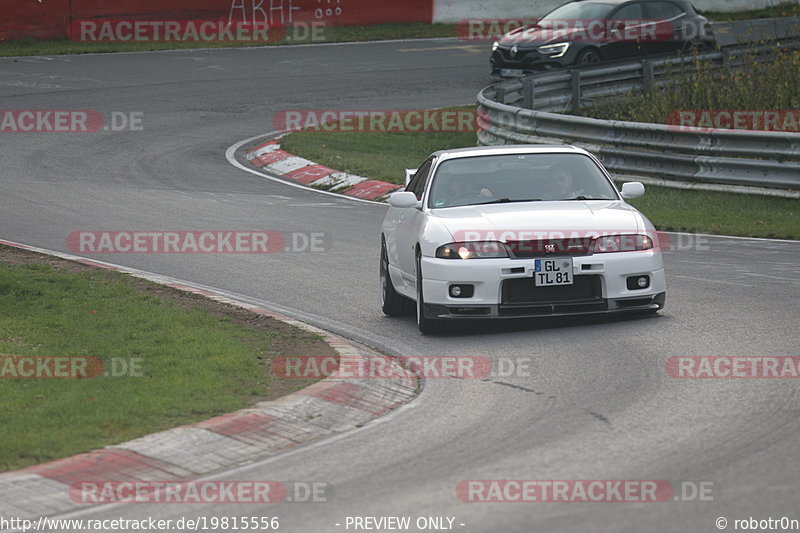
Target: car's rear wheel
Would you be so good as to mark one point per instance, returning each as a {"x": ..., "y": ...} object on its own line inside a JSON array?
[
  {"x": 590, "y": 56},
  {"x": 392, "y": 303},
  {"x": 696, "y": 47},
  {"x": 426, "y": 325}
]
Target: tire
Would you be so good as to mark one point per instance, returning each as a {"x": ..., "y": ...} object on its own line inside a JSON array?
[
  {"x": 696, "y": 47},
  {"x": 426, "y": 325},
  {"x": 590, "y": 56},
  {"x": 392, "y": 303}
]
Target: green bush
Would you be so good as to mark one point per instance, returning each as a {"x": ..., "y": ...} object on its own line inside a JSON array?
[{"x": 771, "y": 83}]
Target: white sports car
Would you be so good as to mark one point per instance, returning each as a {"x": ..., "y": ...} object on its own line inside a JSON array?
[{"x": 517, "y": 231}]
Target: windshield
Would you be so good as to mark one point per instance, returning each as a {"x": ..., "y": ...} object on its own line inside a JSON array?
[
  {"x": 498, "y": 179},
  {"x": 578, "y": 11}
]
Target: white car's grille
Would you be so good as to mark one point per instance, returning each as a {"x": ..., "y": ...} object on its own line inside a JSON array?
[
  {"x": 544, "y": 247},
  {"x": 522, "y": 291}
]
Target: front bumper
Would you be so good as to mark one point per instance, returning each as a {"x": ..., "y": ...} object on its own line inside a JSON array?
[
  {"x": 527, "y": 61},
  {"x": 504, "y": 288}
]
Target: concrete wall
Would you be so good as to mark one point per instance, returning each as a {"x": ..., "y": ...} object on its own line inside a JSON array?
[
  {"x": 275, "y": 12},
  {"x": 51, "y": 19},
  {"x": 38, "y": 20},
  {"x": 457, "y": 10}
]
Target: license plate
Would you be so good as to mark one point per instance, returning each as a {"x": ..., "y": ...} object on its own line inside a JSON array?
[
  {"x": 511, "y": 72},
  {"x": 556, "y": 271}
]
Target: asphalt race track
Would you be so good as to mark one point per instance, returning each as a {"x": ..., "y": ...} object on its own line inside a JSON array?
[{"x": 596, "y": 402}]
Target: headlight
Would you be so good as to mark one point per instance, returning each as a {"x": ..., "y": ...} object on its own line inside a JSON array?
[
  {"x": 622, "y": 243},
  {"x": 495, "y": 45},
  {"x": 472, "y": 250},
  {"x": 554, "y": 50}
]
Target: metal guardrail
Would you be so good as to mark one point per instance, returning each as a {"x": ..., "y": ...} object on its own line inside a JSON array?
[{"x": 527, "y": 111}]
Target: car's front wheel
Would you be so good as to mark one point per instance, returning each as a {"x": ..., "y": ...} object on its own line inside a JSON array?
[
  {"x": 426, "y": 325},
  {"x": 590, "y": 56},
  {"x": 696, "y": 47},
  {"x": 392, "y": 303}
]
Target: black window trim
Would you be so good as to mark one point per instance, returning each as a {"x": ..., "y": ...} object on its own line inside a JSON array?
[{"x": 412, "y": 185}]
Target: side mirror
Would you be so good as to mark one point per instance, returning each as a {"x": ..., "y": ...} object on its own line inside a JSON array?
[
  {"x": 632, "y": 189},
  {"x": 410, "y": 174},
  {"x": 403, "y": 199}
]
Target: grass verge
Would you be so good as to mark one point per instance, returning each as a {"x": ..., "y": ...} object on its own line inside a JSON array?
[
  {"x": 371, "y": 153},
  {"x": 783, "y": 9},
  {"x": 384, "y": 156},
  {"x": 381, "y": 156},
  {"x": 720, "y": 213},
  {"x": 300, "y": 35},
  {"x": 186, "y": 358}
]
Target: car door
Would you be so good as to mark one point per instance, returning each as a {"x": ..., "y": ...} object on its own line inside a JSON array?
[
  {"x": 410, "y": 221},
  {"x": 668, "y": 19},
  {"x": 625, "y": 22}
]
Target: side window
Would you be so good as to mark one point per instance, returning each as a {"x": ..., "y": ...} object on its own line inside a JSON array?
[
  {"x": 629, "y": 12},
  {"x": 417, "y": 183},
  {"x": 662, "y": 10}
]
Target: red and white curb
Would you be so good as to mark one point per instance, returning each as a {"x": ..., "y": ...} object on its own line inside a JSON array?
[
  {"x": 269, "y": 157},
  {"x": 328, "y": 407}
]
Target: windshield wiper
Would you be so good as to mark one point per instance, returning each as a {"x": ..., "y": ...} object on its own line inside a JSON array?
[
  {"x": 581, "y": 198},
  {"x": 509, "y": 201}
]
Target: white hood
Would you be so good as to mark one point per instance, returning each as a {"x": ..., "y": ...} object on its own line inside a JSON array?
[{"x": 568, "y": 217}]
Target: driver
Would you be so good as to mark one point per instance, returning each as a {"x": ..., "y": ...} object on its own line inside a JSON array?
[{"x": 466, "y": 189}]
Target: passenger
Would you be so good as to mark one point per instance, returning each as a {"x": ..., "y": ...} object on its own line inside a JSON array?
[{"x": 562, "y": 186}]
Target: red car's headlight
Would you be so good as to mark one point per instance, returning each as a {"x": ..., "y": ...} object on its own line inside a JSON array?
[
  {"x": 472, "y": 250},
  {"x": 621, "y": 243}
]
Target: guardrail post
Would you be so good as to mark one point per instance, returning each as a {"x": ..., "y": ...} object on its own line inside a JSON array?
[
  {"x": 648, "y": 75},
  {"x": 726, "y": 57},
  {"x": 527, "y": 92},
  {"x": 576, "y": 91}
]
